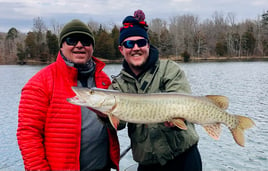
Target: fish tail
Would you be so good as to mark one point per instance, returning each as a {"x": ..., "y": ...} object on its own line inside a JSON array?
[{"x": 238, "y": 132}]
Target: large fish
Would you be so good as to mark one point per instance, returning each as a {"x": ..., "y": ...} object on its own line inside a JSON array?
[{"x": 208, "y": 111}]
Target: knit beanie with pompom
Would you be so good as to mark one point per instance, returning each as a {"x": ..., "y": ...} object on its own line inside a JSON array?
[{"x": 134, "y": 26}]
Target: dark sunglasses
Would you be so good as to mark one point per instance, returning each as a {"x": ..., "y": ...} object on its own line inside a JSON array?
[
  {"x": 72, "y": 41},
  {"x": 131, "y": 43}
]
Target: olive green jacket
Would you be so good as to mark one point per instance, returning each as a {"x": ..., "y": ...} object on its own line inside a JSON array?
[{"x": 156, "y": 143}]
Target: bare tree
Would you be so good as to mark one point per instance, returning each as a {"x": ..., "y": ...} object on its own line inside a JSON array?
[
  {"x": 56, "y": 27},
  {"x": 39, "y": 29},
  {"x": 39, "y": 25},
  {"x": 157, "y": 26},
  {"x": 183, "y": 29},
  {"x": 10, "y": 46},
  {"x": 230, "y": 32},
  {"x": 95, "y": 26}
]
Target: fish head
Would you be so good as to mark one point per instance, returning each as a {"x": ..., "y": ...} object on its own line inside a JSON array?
[{"x": 98, "y": 100}]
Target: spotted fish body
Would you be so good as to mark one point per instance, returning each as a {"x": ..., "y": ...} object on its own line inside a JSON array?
[{"x": 208, "y": 111}]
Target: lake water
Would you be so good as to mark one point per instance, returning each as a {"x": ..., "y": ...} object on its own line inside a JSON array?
[{"x": 245, "y": 83}]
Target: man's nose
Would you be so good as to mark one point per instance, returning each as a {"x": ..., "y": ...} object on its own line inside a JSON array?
[
  {"x": 79, "y": 44},
  {"x": 135, "y": 46}
]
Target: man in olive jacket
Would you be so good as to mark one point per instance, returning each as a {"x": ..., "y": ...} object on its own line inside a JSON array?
[{"x": 159, "y": 146}]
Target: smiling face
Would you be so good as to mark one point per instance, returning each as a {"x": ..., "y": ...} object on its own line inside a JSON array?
[
  {"x": 77, "y": 53},
  {"x": 137, "y": 56}
]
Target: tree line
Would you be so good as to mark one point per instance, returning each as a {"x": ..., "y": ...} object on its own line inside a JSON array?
[{"x": 183, "y": 35}]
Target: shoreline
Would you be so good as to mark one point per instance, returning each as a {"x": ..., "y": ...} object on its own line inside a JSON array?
[
  {"x": 178, "y": 59},
  {"x": 201, "y": 59}
]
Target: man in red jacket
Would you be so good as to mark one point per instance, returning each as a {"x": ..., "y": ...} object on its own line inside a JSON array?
[{"x": 54, "y": 134}]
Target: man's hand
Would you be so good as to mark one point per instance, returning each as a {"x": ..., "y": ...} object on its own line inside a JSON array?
[{"x": 169, "y": 124}]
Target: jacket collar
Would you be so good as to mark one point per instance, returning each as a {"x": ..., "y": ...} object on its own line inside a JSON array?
[
  {"x": 72, "y": 72},
  {"x": 99, "y": 64}
]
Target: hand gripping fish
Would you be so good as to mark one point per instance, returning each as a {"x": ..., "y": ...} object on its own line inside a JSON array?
[{"x": 208, "y": 111}]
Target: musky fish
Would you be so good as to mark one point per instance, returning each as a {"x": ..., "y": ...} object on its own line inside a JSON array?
[{"x": 208, "y": 111}]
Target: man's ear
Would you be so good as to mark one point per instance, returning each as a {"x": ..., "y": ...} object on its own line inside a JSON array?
[{"x": 120, "y": 48}]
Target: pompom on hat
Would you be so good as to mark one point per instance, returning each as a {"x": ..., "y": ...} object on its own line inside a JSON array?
[
  {"x": 76, "y": 27},
  {"x": 134, "y": 26}
]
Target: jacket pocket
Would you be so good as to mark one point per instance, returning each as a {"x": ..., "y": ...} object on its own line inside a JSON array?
[
  {"x": 138, "y": 132},
  {"x": 173, "y": 137}
]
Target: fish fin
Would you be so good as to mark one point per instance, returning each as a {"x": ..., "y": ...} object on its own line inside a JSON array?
[
  {"x": 214, "y": 130},
  {"x": 238, "y": 132},
  {"x": 179, "y": 123},
  {"x": 221, "y": 101},
  {"x": 114, "y": 121}
]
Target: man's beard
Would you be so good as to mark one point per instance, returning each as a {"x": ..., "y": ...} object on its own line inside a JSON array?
[{"x": 139, "y": 67}]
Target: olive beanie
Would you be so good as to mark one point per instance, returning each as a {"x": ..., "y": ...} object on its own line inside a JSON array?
[
  {"x": 76, "y": 27},
  {"x": 134, "y": 26}
]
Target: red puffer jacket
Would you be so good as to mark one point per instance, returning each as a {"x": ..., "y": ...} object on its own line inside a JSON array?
[{"x": 49, "y": 128}]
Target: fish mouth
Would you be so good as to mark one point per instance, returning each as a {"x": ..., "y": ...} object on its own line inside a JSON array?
[{"x": 76, "y": 100}]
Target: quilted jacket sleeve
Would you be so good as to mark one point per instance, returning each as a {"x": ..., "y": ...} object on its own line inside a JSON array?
[{"x": 31, "y": 120}]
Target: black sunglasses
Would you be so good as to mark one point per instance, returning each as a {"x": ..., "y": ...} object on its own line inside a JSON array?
[
  {"x": 131, "y": 43},
  {"x": 72, "y": 41}
]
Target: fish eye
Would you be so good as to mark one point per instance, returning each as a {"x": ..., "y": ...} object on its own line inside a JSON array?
[{"x": 91, "y": 92}]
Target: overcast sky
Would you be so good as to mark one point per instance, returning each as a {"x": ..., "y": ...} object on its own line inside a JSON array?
[{"x": 20, "y": 13}]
